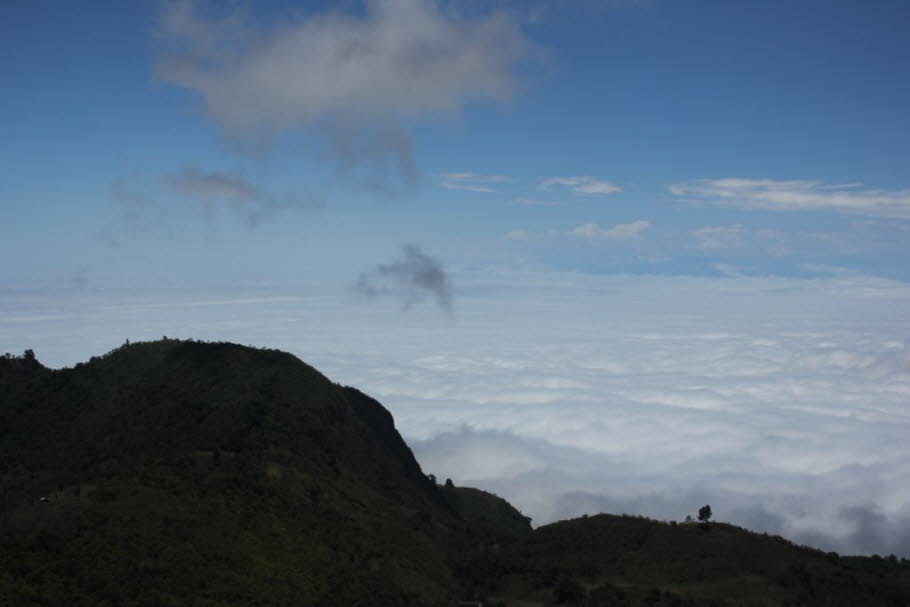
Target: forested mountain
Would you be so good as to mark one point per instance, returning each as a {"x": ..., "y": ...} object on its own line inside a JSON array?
[{"x": 187, "y": 473}]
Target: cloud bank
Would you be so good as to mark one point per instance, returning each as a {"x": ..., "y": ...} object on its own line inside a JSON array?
[
  {"x": 796, "y": 195},
  {"x": 781, "y": 402},
  {"x": 364, "y": 78}
]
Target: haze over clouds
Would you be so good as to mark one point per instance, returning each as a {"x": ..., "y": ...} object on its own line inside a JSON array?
[{"x": 569, "y": 393}]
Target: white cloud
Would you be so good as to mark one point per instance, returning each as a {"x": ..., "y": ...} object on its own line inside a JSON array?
[
  {"x": 516, "y": 235},
  {"x": 796, "y": 195},
  {"x": 532, "y": 202},
  {"x": 728, "y": 269},
  {"x": 719, "y": 237},
  {"x": 781, "y": 402},
  {"x": 820, "y": 268},
  {"x": 622, "y": 231},
  {"x": 472, "y": 182},
  {"x": 768, "y": 234},
  {"x": 588, "y": 186},
  {"x": 363, "y": 77}
]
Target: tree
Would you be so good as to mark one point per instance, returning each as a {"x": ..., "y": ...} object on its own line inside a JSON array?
[{"x": 704, "y": 513}]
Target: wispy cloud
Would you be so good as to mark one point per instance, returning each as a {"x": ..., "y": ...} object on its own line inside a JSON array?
[
  {"x": 622, "y": 231},
  {"x": 364, "y": 78},
  {"x": 533, "y": 202},
  {"x": 728, "y": 269},
  {"x": 821, "y": 268},
  {"x": 587, "y": 186},
  {"x": 796, "y": 195},
  {"x": 516, "y": 235},
  {"x": 136, "y": 213},
  {"x": 211, "y": 189},
  {"x": 472, "y": 182},
  {"x": 411, "y": 277},
  {"x": 719, "y": 237}
]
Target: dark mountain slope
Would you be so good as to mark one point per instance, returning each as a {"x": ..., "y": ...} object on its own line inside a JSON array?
[
  {"x": 487, "y": 514},
  {"x": 168, "y": 397},
  {"x": 186, "y": 469},
  {"x": 608, "y": 560}
]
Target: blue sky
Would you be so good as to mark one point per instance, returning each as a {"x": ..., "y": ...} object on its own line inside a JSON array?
[{"x": 177, "y": 143}]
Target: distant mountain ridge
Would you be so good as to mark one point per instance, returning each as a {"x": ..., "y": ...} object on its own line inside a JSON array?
[{"x": 188, "y": 473}]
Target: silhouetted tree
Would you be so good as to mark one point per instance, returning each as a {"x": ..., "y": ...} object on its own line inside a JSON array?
[
  {"x": 704, "y": 513},
  {"x": 449, "y": 484}
]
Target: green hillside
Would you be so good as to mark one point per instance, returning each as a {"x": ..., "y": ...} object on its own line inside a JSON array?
[
  {"x": 186, "y": 473},
  {"x": 211, "y": 474},
  {"x": 608, "y": 560}
]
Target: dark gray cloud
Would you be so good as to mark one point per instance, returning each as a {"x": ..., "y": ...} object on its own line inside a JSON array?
[
  {"x": 368, "y": 155},
  {"x": 79, "y": 278},
  {"x": 142, "y": 208},
  {"x": 412, "y": 277},
  {"x": 213, "y": 189}
]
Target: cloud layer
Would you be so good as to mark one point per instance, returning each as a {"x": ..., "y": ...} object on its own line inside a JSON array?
[
  {"x": 781, "y": 402},
  {"x": 796, "y": 195}
]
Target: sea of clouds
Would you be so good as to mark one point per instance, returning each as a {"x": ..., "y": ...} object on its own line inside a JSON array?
[{"x": 784, "y": 403}]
